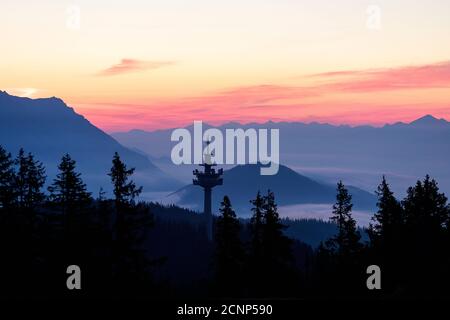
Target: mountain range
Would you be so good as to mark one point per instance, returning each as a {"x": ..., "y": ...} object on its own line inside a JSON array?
[{"x": 360, "y": 155}]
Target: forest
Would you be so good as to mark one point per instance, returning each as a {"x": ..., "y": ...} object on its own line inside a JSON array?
[{"x": 131, "y": 249}]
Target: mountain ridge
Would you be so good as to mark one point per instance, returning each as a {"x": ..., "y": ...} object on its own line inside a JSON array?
[
  {"x": 360, "y": 155},
  {"x": 49, "y": 128},
  {"x": 425, "y": 119}
]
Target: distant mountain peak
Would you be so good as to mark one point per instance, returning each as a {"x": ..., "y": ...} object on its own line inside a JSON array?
[
  {"x": 5, "y": 94},
  {"x": 49, "y": 128},
  {"x": 428, "y": 120}
]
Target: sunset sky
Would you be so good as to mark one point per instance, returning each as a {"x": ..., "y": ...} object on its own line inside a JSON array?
[{"x": 159, "y": 64}]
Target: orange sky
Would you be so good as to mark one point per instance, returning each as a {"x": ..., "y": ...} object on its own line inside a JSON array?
[{"x": 161, "y": 64}]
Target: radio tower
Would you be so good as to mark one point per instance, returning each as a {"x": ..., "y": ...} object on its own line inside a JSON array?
[{"x": 208, "y": 179}]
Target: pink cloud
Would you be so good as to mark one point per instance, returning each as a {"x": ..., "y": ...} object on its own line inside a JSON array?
[
  {"x": 132, "y": 65},
  {"x": 357, "y": 81},
  {"x": 410, "y": 77},
  {"x": 334, "y": 74},
  {"x": 249, "y": 96}
]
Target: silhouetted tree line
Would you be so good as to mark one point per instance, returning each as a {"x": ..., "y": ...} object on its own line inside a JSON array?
[
  {"x": 41, "y": 235},
  {"x": 262, "y": 266},
  {"x": 409, "y": 241},
  {"x": 129, "y": 249}
]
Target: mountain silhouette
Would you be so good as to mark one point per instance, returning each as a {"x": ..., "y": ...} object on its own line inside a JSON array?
[
  {"x": 430, "y": 121},
  {"x": 49, "y": 128},
  {"x": 359, "y": 155},
  {"x": 243, "y": 181}
]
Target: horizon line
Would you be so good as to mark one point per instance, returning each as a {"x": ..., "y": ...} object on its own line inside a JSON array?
[{"x": 399, "y": 122}]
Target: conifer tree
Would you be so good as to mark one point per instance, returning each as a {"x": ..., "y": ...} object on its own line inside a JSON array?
[
  {"x": 6, "y": 179},
  {"x": 19, "y": 224},
  {"x": 256, "y": 226},
  {"x": 389, "y": 217},
  {"x": 29, "y": 180},
  {"x": 426, "y": 214},
  {"x": 270, "y": 250},
  {"x": 10, "y": 234},
  {"x": 426, "y": 206},
  {"x": 229, "y": 253},
  {"x": 255, "y": 264},
  {"x": 387, "y": 236},
  {"x": 124, "y": 191},
  {"x": 346, "y": 242},
  {"x": 68, "y": 189},
  {"x": 344, "y": 269},
  {"x": 276, "y": 245},
  {"x": 68, "y": 194},
  {"x": 131, "y": 225},
  {"x": 279, "y": 276}
]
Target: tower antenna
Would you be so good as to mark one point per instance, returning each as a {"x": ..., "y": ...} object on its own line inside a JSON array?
[{"x": 208, "y": 179}]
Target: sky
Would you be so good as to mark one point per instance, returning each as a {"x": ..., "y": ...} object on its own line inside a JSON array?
[{"x": 157, "y": 64}]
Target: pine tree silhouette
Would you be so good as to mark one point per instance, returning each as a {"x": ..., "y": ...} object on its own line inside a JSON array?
[
  {"x": 130, "y": 228},
  {"x": 425, "y": 206},
  {"x": 69, "y": 196},
  {"x": 124, "y": 191},
  {"x": 346, "y": 242},
  {"x": 270, "y": 250},
  {"x": 426, "y": 214},
  {"x": 30, "y": 178},
  {"x": 6, "y": 179},
  {"x": 254, "y": 271},
  {"x": 10, "y": 223},
  {"x": 68, "y": 189},
  {"x": 278, "y": 269},
  {"x": 22, "y": 191},
  {"x": 389, "y": 216},
  {"x": 387, "y": 236},
  {"x": 343, "y": 251},
  {"x": 276, "y": 245},
  {"x": 256, "y": 226},
  {"x": 229, "y": 252}
]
